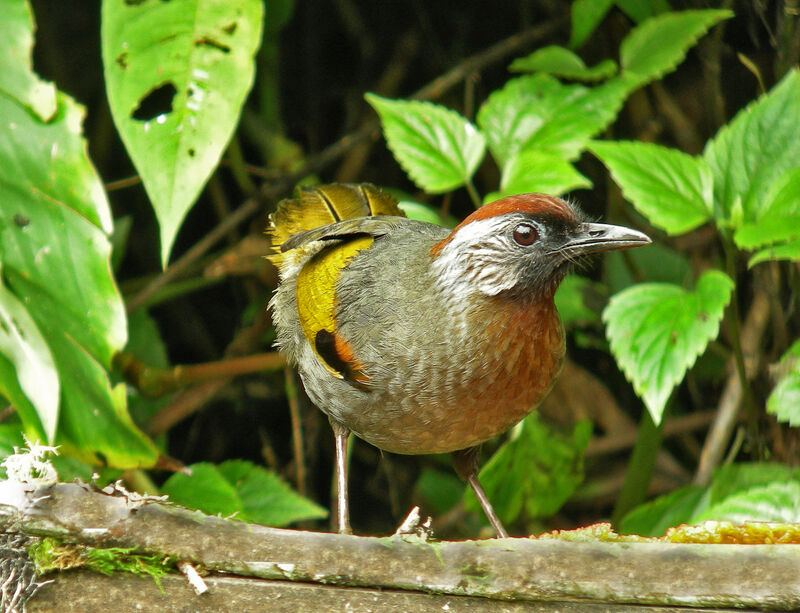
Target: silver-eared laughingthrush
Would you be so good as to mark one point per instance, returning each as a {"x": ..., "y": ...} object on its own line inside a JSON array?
[{"x": 419, "y": 339}]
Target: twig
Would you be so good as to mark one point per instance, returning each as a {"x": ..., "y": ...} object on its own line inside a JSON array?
[
  {"x": 157, "y": 382},
  {"x": 268, "y": 193},
  {"x": 183, "y": 405},
  {"x": 297, "y": 429},
  {"x": 672, "y": 426}
]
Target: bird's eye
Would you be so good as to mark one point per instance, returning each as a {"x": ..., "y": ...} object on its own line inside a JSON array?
[{"x": 525, "y": 234}]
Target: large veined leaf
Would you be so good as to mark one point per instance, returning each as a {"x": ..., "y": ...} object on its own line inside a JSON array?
[
  {"x": 438, "y": 148},
  {"x": 659, "y": 44},
  {"x": 657, "y": 331},
  {"x": 177, "y": 74},
  {"x": 536, "y": 471},
  {"x": 58, "y": 288},
  {"x": 672, "y": 189},
  {"x": 749, "y": 155},
  {"x": 17, "y": 80},
  {"x": 538, "y": 112},
  {"x": 241, "y": 489}
]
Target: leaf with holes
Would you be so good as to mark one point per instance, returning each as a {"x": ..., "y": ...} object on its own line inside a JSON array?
[
  {"x": 536, "y": 471},
  {"x": 539, "y": 113},
  {"x": 177, "y": 74},
  {"x": 751, "y": 154},
  {"x": 672, "y": 189},
  {"x": 17, "y": 79},
  {"x": 657, "y": 45},
  {"x": 657, "y": 331},
  {"x": 438, "y": 148},
  {"x": 239, "y": 487}
]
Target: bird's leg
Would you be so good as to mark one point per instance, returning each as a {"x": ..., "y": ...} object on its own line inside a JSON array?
[
  {"x": 341, "y": 434},
  {"x": 465, "y": 463}
]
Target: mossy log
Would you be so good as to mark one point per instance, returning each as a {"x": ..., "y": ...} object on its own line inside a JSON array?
[{"x": 289, "y": 570}]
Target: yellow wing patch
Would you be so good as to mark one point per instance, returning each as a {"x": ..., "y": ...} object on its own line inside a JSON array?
[
  {"x": 321, "y": 205},
  {"x": 316, "y": 308}
]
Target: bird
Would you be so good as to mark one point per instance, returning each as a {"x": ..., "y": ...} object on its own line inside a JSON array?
[{"x": 419, "y": 339}]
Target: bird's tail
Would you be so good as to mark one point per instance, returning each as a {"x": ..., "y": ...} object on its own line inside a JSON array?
[{"x": 320, "y": 205}]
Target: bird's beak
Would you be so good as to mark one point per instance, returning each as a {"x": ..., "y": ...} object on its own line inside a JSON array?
[{"x": 596, "y": 237}]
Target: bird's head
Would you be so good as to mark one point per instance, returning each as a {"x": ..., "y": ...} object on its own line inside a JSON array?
[{"x": 522, "y": 246}]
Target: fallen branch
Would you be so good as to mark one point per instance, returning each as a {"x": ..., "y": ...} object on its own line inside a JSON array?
[{"x": 580, "y": 575}]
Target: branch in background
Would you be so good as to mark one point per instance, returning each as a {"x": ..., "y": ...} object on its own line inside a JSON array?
[
  {"x": 157, "y": 382},
  {"x": 732, "y": 396}
]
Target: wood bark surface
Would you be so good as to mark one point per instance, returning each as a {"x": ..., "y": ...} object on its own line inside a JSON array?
[{"x": 391, "y": 573}]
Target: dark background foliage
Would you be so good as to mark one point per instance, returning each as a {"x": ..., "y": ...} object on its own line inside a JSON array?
[{"x": 311, "y": 78}]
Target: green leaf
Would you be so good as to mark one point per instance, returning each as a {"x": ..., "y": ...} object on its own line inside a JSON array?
[
  {"x": 537, "y": 471},
  {"x": 779, "y": 219},
  {"x": 539, "y": 171},
  {"x": 784, "y": 400},
  {"x": 438, "y": 148},
  {"x": 653, "y": 518},
  {"x": 658, "y": 263},
  {"x": 571, "y": 301},
  {"x": 55, "y": 254},
  {"x": 785, "y": 251},
  {"x": 23, "y": 344},
  {"x": 538, "y": 112},
  {"x": 775, "y": 502},
  {"x": 423, "y": 212},
  {"x": 689, "y": 504},
  {"x": 750, "y": 155},
  {"x": 206, "y": 490},
  {"x": 266, "y": 499},
  {"x": 659, "y": 44},
  {"x": 657, "y": 330},
  {"x": 440, "y": 491},
  {"x": 177, "y": 74},
  {"x": 253, "y": 493},
  {"x": 17, "y": 80},
  {"x": 672, "y": 189},
  {"x": 562, "y": 62},
  {"x": 586, "y": 16},
  {"x": 639, "y": 10}
]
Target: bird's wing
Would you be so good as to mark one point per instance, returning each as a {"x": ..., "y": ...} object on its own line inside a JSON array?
[{"x": 343, "y": 230}]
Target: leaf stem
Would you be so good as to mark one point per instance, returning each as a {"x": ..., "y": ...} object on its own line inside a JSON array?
[
  {"x": 473, "y": 193},
  {"x": 734, "y": 329},
  {"x": 640, "y": 467}
]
